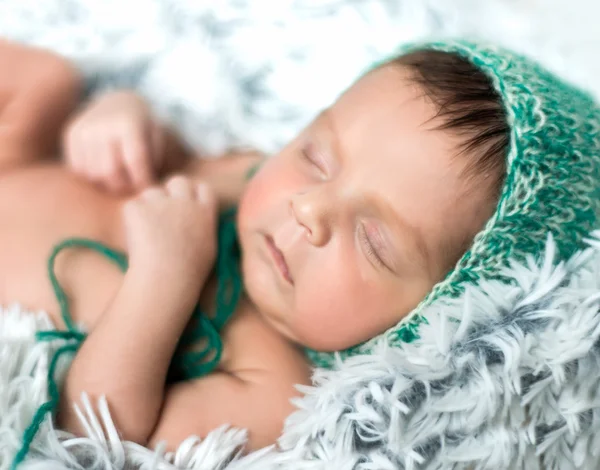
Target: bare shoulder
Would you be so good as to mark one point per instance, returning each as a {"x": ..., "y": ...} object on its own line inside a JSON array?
[
  {"x": 252, "y": 346},
  {"x": 36, "y": 98}
]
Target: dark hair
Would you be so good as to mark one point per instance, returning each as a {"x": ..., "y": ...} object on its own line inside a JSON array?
[{"x": 469, "y": 106}]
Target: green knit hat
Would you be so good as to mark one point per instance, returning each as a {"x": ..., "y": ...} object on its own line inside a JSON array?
[{"x": 552, "y": 180}]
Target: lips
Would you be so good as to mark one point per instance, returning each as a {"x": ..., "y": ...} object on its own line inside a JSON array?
[{"x": 279, "y": 260}]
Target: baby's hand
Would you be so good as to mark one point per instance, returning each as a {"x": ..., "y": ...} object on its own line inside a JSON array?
[
  {"x": 116, "y": 142},
  {"x": 171, "y": 230}
]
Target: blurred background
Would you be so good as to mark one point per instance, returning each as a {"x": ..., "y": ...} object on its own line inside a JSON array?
[{"x": 251, "y": 73}]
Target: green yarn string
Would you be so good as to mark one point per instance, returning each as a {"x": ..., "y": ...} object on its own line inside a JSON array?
[
  {"x": 46, "y": 407},
  {"x": 185, "y": 364},
  {"x": 116, "y": 257},
  {"x": 191, "y": 364}
]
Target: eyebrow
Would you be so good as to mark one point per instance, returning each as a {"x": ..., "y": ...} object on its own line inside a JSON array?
[{"x": 421, "y": 258}]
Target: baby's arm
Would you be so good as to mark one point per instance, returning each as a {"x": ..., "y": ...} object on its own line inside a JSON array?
[
  {"x": 171, "y": 242},
  {"x": 251, "y": 390},
  {"x": 127, "y": 354},
  {"x": 38, "y": 90}
]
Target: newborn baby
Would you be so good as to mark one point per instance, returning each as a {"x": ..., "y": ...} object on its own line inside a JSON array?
[{"x": 342, "y": 233}]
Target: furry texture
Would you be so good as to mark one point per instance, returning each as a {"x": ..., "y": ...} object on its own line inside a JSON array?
[{"x": 512, "y": 385}]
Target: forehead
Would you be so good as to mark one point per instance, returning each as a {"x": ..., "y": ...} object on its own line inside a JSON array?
[
  {"x": 385, "y": 128},
  {"x": 386, "y": 131},
  {"x": 386, "y": 93},
  {"x": 387, "y": 114}
]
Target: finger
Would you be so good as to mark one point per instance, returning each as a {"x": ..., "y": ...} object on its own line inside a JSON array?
[
  {"x": 116, "y": 179},
  {"x": 97, "y": 161},
  {"x": 73, "y": 151},
  {"x": 180, "y": 187},
  {"x": 204, "y": 193},
  {"x": 153, "y": 193},
  {"x": 89, "y": 164},
  {"x": 117, "y": 183},
  {"x": 137, "y": 161}
]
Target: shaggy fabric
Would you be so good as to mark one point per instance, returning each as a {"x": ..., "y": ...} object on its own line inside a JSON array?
[{"x": 512, "y": 385}]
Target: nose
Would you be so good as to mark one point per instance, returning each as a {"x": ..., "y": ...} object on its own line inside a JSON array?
[{"x": 313, "y": 211}]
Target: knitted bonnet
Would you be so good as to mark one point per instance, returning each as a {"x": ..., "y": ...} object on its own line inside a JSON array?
[{"x": 552, "y": 181}]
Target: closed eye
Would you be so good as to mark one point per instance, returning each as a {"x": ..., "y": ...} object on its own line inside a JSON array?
[
  {"x": 312, "y": 156},
  {"x": 369, "y": 248}
]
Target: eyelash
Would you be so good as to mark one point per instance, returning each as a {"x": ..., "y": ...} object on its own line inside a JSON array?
[
  {"x": 371, "y": 253},
  {"x": 306, "y": 155}
]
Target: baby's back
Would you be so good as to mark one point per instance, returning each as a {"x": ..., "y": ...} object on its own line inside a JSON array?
[{"x": 41, "y": 205}]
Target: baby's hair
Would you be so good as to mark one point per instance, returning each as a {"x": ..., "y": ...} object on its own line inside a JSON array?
[{"x": 469, "y": 106}]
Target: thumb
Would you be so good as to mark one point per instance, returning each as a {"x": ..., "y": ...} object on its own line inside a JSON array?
[{"x": 137, "y": 161}]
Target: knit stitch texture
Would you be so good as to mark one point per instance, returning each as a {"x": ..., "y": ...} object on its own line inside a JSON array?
[{"x": 552, "y": 182}]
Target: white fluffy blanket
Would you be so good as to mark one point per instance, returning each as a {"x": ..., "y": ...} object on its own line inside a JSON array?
[{"x": 513, "y": 385}]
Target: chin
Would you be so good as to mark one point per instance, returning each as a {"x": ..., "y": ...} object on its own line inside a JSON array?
[
  {"x": 324, "y": 339},
  {"x": 263, "y": 296},
  {"x": 322, "y": 345},
  {"x": 257, "y": 285}
]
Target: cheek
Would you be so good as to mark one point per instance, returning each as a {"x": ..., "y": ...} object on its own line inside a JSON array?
[
  {"x": 270, "y": 187},
  {"x": 256, "y": 195},
  {"x": 337, "y": 307}
]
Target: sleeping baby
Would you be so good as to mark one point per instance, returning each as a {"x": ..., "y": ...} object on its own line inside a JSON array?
[{"x": 198, "y": 292}]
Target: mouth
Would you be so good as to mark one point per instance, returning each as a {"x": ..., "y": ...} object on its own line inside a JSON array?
[{"x": 279, "y": 260}]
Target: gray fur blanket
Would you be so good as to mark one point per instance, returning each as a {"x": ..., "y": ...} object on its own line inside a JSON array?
[{"x": 505, "y": 377}]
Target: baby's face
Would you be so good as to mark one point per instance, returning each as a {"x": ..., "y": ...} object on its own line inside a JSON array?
[{"x": 348, "y": 228}]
